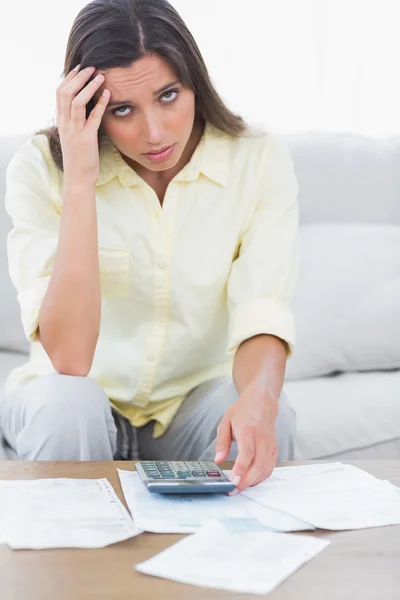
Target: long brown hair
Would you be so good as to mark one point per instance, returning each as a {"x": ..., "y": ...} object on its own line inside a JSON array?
[{"x": 115, "y": 33}]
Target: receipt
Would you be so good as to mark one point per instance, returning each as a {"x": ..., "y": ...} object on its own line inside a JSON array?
[
  {"x": 62, "y": 513},
  {"x": 186, "y": 513},
  {"x": 239, "y": 557},
  {"x": 330, "y": 496}
]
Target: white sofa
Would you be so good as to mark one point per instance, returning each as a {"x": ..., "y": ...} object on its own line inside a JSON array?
[{"x": 344, "y": 377}]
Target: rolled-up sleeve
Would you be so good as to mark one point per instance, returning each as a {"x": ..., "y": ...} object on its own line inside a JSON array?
[
  {"x": 32, "y": 243},
  {"x": 264, "y": 274}
]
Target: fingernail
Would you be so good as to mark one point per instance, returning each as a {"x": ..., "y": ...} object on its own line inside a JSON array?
[
  {"x": 89, "y": 69},
  {"x": 77, "y": 67},
  {"x": 236, "y": 480},
  {"x": 234, "y": 492},
  {"x": 218, "y": 456}
]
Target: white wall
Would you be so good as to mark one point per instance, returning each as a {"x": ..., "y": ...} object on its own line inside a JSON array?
[{"x": 292, "y": 65}]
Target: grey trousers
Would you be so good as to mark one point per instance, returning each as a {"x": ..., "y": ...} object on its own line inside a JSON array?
[{"x": 60, "y": 417}]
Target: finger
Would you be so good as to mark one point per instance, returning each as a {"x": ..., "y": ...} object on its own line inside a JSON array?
[
  {"x": 267, "y": 472},
  {"x": 246, "y": 450},
  {"x": 78, "y": 104},
  {"x": 97, "y": 113},
  {"x": 261, "y": 467},
  {"x": 72, "y": 88},
  {"x": 66, "y": 80},
  {"x": 264, "y": 462},
  {"x": 224, "y": 441}
]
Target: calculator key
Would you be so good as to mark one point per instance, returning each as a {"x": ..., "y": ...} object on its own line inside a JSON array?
[
  {"x": 183, "y": 474},
  {"x": 213, "y": 474},
  {"x": 200, "y": 474}
]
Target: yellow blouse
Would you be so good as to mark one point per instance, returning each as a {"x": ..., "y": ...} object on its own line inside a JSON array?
[{"x": 183, "y": 284}]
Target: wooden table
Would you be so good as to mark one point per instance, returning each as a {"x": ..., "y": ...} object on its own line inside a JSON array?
[{"x": 358, "y": 565}]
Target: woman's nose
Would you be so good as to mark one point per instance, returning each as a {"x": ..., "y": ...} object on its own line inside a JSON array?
[{"x": 153, "y": 133}]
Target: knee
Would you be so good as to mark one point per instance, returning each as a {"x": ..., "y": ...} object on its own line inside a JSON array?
[
  {"x": 66, "y": 418},
  {"x": 62, "y": 398}
]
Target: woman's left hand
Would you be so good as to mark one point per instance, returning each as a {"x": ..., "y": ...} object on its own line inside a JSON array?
[{"x": 251, "y": 422}]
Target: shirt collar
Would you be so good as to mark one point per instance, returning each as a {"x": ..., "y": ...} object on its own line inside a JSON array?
[{"x": 211, "y": 158}]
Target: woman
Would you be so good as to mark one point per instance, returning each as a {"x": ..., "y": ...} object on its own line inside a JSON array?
[{"x": 154, "y": 254}]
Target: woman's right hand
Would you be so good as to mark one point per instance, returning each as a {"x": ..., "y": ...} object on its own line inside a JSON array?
[{"x": 78, "y": 135}]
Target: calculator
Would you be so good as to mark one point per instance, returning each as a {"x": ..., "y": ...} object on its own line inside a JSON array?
[{"x": 183, "y": 477}]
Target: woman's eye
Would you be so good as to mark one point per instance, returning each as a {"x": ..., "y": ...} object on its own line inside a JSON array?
[
  {"x": 120, "y": 111},
  {"x": 124, "y": 111},
  {"x": 170, "y": 96}
]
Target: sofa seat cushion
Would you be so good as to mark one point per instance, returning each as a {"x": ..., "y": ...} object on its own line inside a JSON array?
[
  {"x": 8, "y": 361},
  {"x": 344, "y": 413}
]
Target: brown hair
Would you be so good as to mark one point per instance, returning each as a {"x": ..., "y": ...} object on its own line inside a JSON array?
[{"x": 115, "y": 33}]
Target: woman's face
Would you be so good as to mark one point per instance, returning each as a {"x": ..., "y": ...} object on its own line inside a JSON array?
[{"x": 149, "y": 110}]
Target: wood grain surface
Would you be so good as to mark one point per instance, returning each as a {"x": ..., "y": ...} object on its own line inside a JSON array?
[{"x": 358, "y": 565}]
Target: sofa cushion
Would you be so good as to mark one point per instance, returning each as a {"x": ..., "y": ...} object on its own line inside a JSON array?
[
  {"x": 347, "y": 177},
  {"x": 12, "y": 335},
  {"x": 344, "y": 413},
  {"x": 347, "y": 300},
  {"x": 9, "y": 361}
]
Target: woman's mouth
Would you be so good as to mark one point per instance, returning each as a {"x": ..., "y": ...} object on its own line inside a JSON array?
[{"x": 162, "y": 155}]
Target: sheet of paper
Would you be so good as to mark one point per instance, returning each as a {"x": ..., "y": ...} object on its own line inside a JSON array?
[
  {"x": 274, "y": 519},
  {"x": 243, "y": 559},
  {"x": 186, "y": 513},
  {"x": 315, "y": 476},
  {"x": 330, "y": 496},
  {"x": 62, "y": 513}
]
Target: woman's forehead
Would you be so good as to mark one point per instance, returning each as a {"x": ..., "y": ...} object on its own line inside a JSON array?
[{"x": 148, "y": 72}]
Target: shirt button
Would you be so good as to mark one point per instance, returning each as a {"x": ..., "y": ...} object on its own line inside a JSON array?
[
  {"x": 151, "y": 358},
  {"x": 161, "y": 265}
]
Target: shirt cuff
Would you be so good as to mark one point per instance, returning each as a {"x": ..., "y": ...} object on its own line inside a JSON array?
[
  {"x": 266, "y": 315},
  {"x": 30, "y": 301}
]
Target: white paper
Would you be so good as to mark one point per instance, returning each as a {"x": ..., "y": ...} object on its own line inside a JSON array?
[
  {"x": 186, "y": 513},
  {"x": 330, "y": 496},
  {"x": 234, "y": 559},
  {"x": 276, "y": 520},
  {"x": 319, "y": 475},
  {"x": 62, "y": 513}
]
